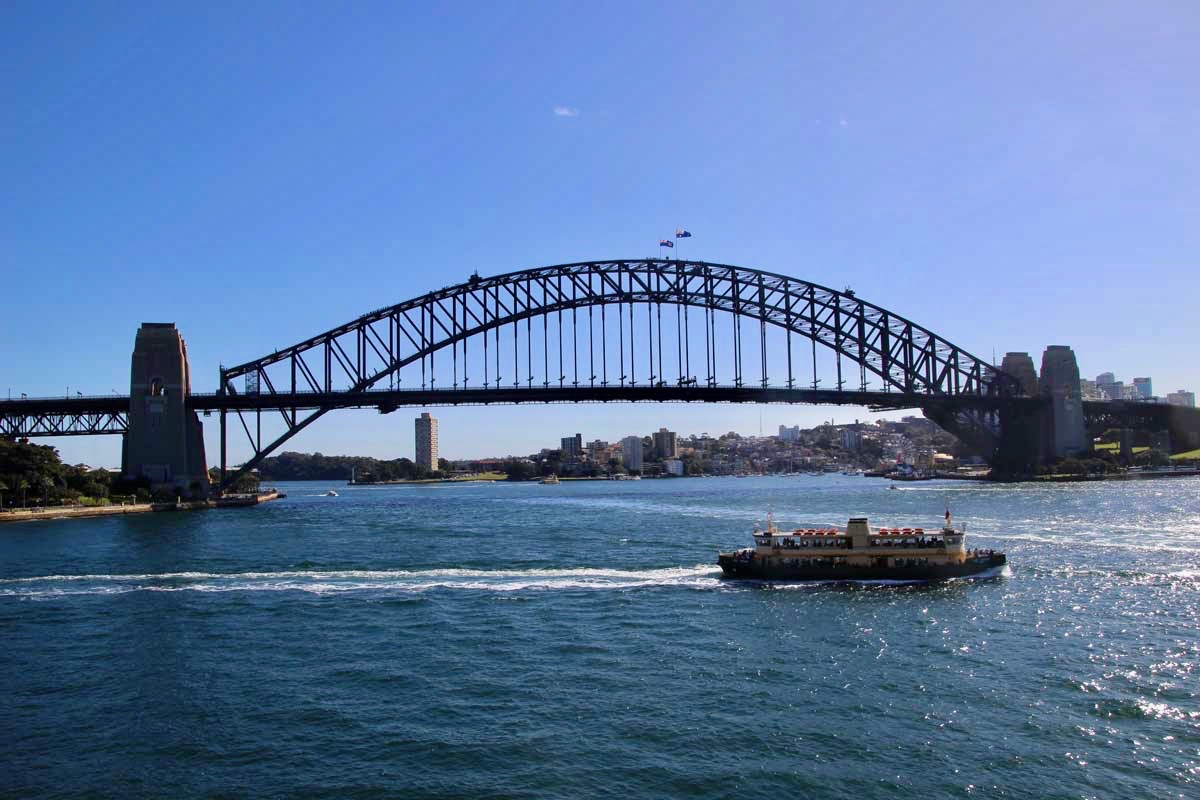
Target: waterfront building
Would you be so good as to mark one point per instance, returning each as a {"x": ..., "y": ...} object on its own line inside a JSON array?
[
  {"x": 427, "y": 442},
  {"x": 1117, "y": 390},
  {"x": 666, "y": 444},
  {"x": 631, "y": 453},
  {"x": 1089, "y": 390},
  {"x": 674, "y": 467},
  {"x": 572, "y": 446},
  {"x": 787, "y": 434},
  {"x": 1142, "y": 388},
  {"x": 1182, "y": 397},
  {"x": 1112, "y": 388}
]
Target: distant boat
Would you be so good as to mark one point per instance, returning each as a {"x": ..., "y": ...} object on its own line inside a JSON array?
[
  {"x": 331, "y": 493},
  {"x": 550, "y": 479}
]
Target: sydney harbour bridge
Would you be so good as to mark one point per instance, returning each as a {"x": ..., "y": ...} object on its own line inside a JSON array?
[{"x": 596, "y": 331}]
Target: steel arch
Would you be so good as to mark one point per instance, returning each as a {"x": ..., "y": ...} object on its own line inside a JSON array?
[{"x": 904, "y": 356}]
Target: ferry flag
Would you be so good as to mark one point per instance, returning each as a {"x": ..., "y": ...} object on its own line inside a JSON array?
[
  {"x": 682, "y": 234},
  {"x": 665, "y": 243}
]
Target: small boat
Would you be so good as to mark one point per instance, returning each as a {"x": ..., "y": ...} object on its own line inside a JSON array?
[
  {"x": 550, "y": 480},
  {"x": 330, "y": 493},
  {"x": 893, "y": 487}
]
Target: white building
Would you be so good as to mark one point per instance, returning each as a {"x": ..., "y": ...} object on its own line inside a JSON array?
[
  {"x": 1182, "y": 398},
  {"x": 427, "y": 442},
  {"x": 674, "y": 467},
  {"x": 631, "y": 453},
  {"x": 1090, "y": 390}
]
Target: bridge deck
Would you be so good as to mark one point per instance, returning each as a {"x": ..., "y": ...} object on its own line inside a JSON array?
[{"x": 386, "y": 399}]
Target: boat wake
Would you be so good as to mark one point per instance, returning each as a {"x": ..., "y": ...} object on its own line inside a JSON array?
[{"x": 701, "y": 576}]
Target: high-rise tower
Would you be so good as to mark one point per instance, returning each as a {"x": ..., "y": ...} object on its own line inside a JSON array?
[{"x": 427, "y": 442}]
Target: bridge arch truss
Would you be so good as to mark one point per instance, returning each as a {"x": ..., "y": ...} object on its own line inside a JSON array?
[{"x": 598, "y": 325}]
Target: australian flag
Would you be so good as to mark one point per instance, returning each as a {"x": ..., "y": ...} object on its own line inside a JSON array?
[
  {"x": 682, "y": 234},
  {"x": 665, "y": 243}
]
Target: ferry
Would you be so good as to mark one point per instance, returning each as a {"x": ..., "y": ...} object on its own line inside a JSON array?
[{"x": 860, "y": 554}]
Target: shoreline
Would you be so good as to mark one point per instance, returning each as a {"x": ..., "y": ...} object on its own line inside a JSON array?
[
  {"x": 89, "y": 512},
  {"x": 1122, "y": 476}
]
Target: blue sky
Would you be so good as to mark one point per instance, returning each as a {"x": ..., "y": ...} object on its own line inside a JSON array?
[{"x": 1011, "y": 176}]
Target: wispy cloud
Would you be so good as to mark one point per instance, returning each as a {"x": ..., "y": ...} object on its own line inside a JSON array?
[{"x": 566, "y": 111}]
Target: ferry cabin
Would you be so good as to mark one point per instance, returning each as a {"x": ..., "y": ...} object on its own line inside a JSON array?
[{"x": 859, "y": 546}]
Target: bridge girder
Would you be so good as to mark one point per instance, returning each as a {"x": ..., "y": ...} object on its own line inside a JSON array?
[{"x": 58, "y": 423}]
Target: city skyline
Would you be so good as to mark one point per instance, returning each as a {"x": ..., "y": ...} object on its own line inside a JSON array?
[{"x": 1053, "y": 203}]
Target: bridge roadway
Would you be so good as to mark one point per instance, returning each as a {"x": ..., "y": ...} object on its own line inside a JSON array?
[
  {"x": 389, "y": 400},
  {"x": 77, "y": 416}
]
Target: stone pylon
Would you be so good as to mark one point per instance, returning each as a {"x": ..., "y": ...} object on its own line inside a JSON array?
[
  {"x": 165, "y": 441},
  {"x": 1063, "y": 430},
  {"x": 1020, "y": 366}
]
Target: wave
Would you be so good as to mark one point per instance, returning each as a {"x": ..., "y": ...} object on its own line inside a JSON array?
[
  {"x": 1083, "y": 541},
  {"x": 701, "y": 576}
]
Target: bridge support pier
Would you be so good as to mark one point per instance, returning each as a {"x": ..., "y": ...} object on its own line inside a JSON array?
[
  {"x": 1064, "y": 431},
  {"x": 165, "y": 440},
  {"x": 1009, "y": 438},
  {"x": 1022, "y": 434},
  {"x": 1019, "y": 449}
]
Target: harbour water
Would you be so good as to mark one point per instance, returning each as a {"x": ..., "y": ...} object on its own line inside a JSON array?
[{"x": 520, "y": 640}]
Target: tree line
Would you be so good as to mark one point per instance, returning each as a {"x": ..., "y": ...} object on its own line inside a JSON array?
[
  {"x": 290, "y": 466},
  {"x": 34, "y": 474}
]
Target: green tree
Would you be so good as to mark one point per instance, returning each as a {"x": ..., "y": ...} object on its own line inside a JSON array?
[
  {"x": 22, "y": 486},
  {"x": 519, "y": 470},
  {"x": 1152, "y": 458},
  {"x": 245, "y": 484},
  {"x": 3, "y": 489}
]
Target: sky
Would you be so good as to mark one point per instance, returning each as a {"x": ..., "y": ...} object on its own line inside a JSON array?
[{"x": 1009, "y": 175}]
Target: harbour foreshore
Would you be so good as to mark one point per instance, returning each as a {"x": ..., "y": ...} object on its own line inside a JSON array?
[
  {"x": 84, "y": 512},
  {"x": 72, "y": 512}
]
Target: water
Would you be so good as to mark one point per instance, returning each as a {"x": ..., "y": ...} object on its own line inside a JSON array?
[{"x": 502, "y": 640}]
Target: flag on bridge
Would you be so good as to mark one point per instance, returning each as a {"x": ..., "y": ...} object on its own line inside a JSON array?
[
  {"x": 682, "y": 234},
  {"x": 665, "y": 243}
]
